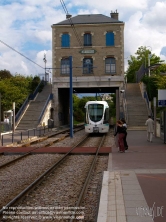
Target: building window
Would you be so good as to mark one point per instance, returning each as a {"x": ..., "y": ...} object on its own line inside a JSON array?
[
  {"x": 110, "y": 65},
  {"x": 87, "y": 39},
  {"x": 65, "y": 66},
  {"x": 109, "y": 39},
  {"x": 65, "y": 40},
  {"x": 87, "y": 65}
]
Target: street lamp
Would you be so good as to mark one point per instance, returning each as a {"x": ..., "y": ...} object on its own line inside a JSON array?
[{"x": 45, "y": 61}]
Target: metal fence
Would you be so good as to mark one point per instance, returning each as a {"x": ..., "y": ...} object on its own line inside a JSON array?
[{"x": 18, "y": 136}]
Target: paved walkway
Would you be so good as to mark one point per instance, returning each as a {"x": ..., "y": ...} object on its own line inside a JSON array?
[{"x": 134, "y": 186}]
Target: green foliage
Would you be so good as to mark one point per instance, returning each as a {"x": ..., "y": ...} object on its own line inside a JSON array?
[
  {"x": 5, "y": 74},
  {"x": 151, "y": 86},
  {"x": 135, "y": 62},
  {"x": 16, "y": 89}
]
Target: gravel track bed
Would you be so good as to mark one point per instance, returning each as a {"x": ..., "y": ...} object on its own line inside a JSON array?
[
  {"x": 14, "y": 178},
  {"x": 91, "y": 200},
  {"x": 63, "y": 185},
  {"x": 61, "y": 188},
  {"x": 69, "y": 142},
  {"x": 7, "y": 158}
]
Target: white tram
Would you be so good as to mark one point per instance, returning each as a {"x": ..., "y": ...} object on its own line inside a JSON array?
[{"x": 96, "y": 117}]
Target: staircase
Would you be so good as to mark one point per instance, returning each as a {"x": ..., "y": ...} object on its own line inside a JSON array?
[
  {"x": 136, "y": 107},
  {"x": 31, "y": 117}
]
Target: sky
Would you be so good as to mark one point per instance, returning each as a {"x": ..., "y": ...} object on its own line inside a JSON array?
[{"x": 26, "y": 27}]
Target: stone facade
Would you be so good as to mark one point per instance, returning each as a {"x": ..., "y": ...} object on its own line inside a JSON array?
[{"x": 98, "y": 52}]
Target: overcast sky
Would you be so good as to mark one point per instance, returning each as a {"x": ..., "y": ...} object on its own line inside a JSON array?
[{"x": 25, "y": 25}]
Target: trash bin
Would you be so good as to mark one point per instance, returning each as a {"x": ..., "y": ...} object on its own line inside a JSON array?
[{"x": 50, "y": 123}]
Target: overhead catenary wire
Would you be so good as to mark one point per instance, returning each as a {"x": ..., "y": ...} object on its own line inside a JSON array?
[
  {"x": 21, "y": 54},
  {"x": 73, "y": 27},
  {"x": 71, "y": 23}
]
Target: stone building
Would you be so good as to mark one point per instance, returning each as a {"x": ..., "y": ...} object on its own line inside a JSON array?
[{"x": 95, "y": 43}]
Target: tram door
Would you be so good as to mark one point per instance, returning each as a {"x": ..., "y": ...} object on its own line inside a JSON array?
[{"x": 163, "y": 126}]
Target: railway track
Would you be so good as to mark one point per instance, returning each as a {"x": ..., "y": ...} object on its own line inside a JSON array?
[
  {"x": 37, "y": 181},
  {"x": 44, "y": 142},
  {"x": 40, "y": 179}
]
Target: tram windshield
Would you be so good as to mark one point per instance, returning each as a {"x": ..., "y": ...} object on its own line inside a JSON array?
[{"x": 95, "y": 112}]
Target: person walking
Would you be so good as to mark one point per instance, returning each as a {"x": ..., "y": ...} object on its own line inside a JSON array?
[
  {"x": 121, "y": 134},
  {"x": 125, "y": 142},
  {"x": 150, "y": 128}
]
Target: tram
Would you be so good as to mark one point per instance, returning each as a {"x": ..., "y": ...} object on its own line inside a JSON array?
[{"x": 96, "y": 117}]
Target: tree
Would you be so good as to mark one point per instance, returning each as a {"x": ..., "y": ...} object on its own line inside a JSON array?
[
  {"x": 5, "y": 74},
  {"x": 14, "y": 89},
  {"x": 135, "y": 62}
]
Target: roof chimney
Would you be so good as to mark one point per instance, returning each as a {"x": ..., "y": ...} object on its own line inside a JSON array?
[
  {"x": 114, "y": 15},
  {"x": 68, "y": 16}
]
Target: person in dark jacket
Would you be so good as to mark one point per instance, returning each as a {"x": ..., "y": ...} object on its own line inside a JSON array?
[
  {"x": 125, "y": 142},
  {"x": 121, "y": 130}
]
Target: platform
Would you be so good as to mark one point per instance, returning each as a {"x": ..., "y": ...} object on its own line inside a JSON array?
[{"x": 133, "y": 188}]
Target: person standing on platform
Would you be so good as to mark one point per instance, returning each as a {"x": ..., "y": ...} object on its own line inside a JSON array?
[
  {"x": 121, "y": 134},
  {"x": 125, "y": 142},
  {"x": 150, "y": 128}
]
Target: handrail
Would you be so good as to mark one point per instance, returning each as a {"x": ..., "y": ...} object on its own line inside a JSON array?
[
  {"x": 147, "y": 103},
  {"x": 125, "y": 102},
  {"x": 50, "y": 97},
  {"x": 19, "y": 113},
  {"x": 125, "y": 107},
  {"x": 26, "y": 102}
]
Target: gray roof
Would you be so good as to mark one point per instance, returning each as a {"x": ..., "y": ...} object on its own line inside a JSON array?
[{"x": 89, "y": 19}]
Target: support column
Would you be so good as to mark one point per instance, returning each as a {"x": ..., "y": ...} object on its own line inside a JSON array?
[{"x": 117, "y": 104}]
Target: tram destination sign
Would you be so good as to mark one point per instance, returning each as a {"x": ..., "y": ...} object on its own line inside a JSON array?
[{"x": 88, "y": 51}]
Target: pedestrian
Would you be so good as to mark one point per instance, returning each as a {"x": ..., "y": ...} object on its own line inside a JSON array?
[
  {"x": 6, "y": 121},
  {"x": 150, "y": 128},
  {"x": 121, "y": 134},
  {"x": 125, "y": 142}
]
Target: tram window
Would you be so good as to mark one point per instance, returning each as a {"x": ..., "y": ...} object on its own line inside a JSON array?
[
  {"x": 95, "y": 112},
  {"x": 106, "y": 116}
]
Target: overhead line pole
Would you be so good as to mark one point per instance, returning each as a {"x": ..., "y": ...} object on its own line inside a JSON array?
[{"x": 71, "y": 98}]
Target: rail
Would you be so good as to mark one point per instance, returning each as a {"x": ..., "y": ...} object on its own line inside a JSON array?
[
  {"x": 50, "y": 97},
  {"x": 26, "y": 135},
  {"x": 26, "y": 102},
  {"x": 84, "y": 188},
  {"x": 125, "y": 104},
  {"x": 147, "y": 103},
  {"x": 39, "y": 179}
]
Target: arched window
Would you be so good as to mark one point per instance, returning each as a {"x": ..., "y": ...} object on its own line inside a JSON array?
[
  {"x": 109, "y": 39},
  {"x": 65, "y": 40},
  {"x": 87, "y": 39},
  {"x": 87, "y": 65},
  {"x": 65, "y": 66},
  {"x": 110, "y": 65}
]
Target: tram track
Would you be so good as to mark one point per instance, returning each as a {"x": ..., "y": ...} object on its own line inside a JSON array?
[
  {"x": 43, "y": 177},
  {"x": 38, "y": 180},
  {"x": 44, "y": 142}
]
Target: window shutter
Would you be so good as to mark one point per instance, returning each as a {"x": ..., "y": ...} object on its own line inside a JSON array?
[
  {"x": 109, "y": 39},
  {"x": 65, "y": 40}
]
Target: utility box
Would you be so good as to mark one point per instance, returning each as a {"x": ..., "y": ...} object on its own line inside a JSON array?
[
  {"x": 50, "y": 123},
  {"x": 163, "y": 126}
]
